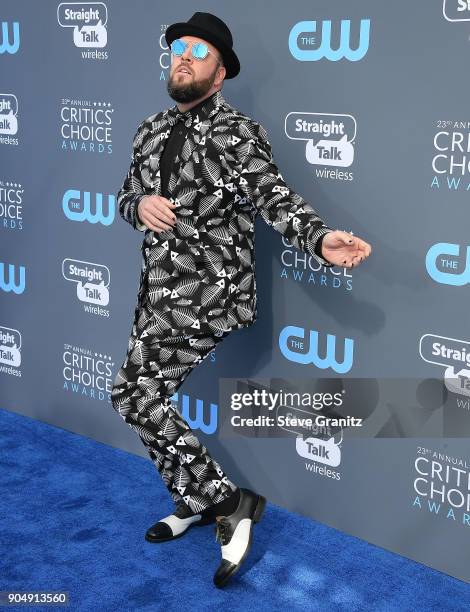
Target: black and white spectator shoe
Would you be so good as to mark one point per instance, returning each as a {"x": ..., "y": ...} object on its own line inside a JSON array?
[
  {"x": 234, "y": 532},
  {"x": 175, "y": 525}
]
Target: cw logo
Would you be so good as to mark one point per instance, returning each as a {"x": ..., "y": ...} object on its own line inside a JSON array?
[
  {"x": 296, "y": 337},
  {"x": 77, "y": 208},
  {"x": 8, "y": 284},
  {"x": 5, "y": 46},
  {"x": 444, "y": 252},
  {"x": 325, "y": 50},
  {"x": 198, "y": 422}
]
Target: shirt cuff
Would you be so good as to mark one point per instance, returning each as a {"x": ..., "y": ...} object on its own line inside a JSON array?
[
  {"x": 317, "y": 250},
  {"x": 138, "y": 224}
]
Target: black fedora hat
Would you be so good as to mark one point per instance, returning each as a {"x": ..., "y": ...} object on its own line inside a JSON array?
[{"x": 210, "y": 28}]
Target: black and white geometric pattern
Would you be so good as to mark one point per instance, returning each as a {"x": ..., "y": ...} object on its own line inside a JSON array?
[
  {"x": 197, "y": 281},
  {"x": 201, "y": 272},
  {"x": 154, "y": 368}
]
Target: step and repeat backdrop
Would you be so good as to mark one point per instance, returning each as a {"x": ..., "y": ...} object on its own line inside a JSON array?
[{"x": 366, "y": 108}]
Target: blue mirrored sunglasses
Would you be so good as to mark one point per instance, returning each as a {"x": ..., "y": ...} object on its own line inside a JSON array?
[{"x": 199, "y": 50}]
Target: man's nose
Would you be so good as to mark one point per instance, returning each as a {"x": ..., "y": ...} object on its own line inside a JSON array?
[{"x": 187, "y": 55}]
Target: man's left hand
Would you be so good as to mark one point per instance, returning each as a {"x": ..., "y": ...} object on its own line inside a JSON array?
[{"x": 343, "y": 249}]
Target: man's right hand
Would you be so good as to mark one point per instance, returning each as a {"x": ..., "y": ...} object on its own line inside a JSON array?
[{"x": 156, "y": 212}]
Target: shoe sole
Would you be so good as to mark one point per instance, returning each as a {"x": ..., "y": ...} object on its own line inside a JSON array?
[
  {"x": 168, "y": 539},
  {"x": 257, "y": 515}
]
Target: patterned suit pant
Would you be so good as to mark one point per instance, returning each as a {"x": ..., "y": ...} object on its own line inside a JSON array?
[{"x": 154, "y": 368}]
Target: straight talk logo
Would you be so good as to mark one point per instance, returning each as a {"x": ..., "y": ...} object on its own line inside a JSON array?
[
  {"x": 88, "y": 23},
  {"x": 92, "y": 281},
  {"x": 456, "y": 10},
  {"x": 8, "y": 118},
  {"x": 453, "y": 354},
  {"x": 10, "y": 351},
  {"x": 323, "y": 455},
  {"x": 329, "y": 140}
]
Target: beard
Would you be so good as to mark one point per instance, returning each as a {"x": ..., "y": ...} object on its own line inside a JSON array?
[{"x": 188, "y": 92}]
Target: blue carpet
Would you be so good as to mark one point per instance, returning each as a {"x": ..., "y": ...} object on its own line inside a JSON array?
[{"x": 74, "y": 516}]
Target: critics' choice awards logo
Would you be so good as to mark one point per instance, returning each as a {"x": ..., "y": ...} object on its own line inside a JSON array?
[
  {"x": 165, "y": 54},
  {"x": 296, "y": 348},
  {"x": 88, "y": 21},
  {"x": 442, "y": 485},
  {"x": 10, "y": 349},
  {"x": 329, "y": 140},
  {"x": 78, "y": 206},
  {"x": 92, "y": 281},
  {"x": 87, "y": 372},
  {"x": 304, "y": 268},
  {"x": 447, "y": 265},
  {"x": 10, "y": 37},
  {"x": 305, "y": 47},
  {"x": 453, "y": 355},
  {"x": 451, "y": 160},
  {"x": 12, "y": 278},
  {"x": 86, "y": 126},
  {"x": 11, "y": 205}
]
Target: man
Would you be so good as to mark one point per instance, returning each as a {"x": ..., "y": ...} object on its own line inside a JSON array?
[{"x": 201, "y": 171}]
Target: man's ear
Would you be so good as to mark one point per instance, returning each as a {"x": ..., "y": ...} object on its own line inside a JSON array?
[{"x": 223, "y": 73}]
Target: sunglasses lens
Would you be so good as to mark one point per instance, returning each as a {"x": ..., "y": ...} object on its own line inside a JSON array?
[
  {"x": 178, "y": 46},
  {"x": 200, "y": 50}
]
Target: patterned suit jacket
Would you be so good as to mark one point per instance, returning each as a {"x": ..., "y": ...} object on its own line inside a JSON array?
[{"x": 199, "y": 276}]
